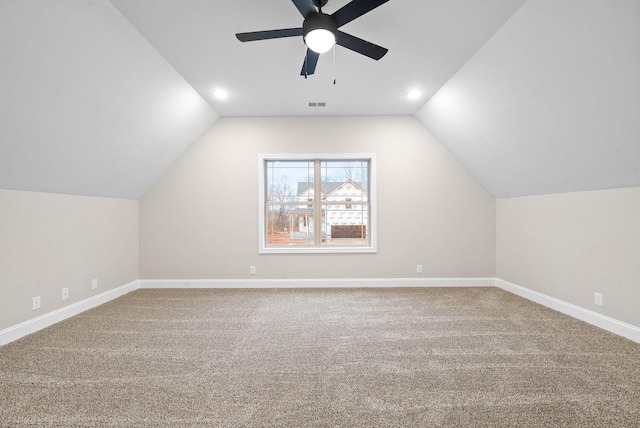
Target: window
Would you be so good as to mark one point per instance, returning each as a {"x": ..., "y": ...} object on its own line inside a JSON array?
[{"x": 333, "y": 195}]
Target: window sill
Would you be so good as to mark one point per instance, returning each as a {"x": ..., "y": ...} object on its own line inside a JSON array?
[{"x": 318, "y": 250}]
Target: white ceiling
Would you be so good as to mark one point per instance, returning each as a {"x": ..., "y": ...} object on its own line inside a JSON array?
[
  {"x": 428, "y": 41},
  {"x": 101, "y": 97}
]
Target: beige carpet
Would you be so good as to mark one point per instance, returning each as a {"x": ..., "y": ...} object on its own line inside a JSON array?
[{"x": 455, "y": 357}]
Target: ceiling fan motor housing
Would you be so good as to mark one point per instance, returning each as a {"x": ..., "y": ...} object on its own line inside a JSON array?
[{"x": 319, "y": 21}]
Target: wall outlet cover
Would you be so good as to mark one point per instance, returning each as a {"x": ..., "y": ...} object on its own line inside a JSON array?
[{"x": 597, "y": 297}]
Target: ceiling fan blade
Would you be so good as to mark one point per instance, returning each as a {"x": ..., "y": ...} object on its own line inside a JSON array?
[
  {"x": 354, "y": 9},
  {"x": 310, "y": 62},
  {"x": 269, "y": 34},
  {"x": 305, "y": 7},
  {"x": 361, "y": 46}
]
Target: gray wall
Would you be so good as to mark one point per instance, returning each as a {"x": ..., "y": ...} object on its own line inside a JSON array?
[
  {"x": 50, "y": 241},
  {"x": 571, "y": 245},
  {"x": 200, "y": 221}
]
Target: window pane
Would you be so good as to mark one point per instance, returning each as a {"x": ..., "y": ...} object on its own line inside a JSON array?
[
  {"x": 345, "y": 195},
  {"x": 286, "y": 180},
  {"x": 289, "y": 225},
  {"x": 289, "y": 181},
  {"x": 337, "y": 172},
  {"x": 346, "y": 225}
]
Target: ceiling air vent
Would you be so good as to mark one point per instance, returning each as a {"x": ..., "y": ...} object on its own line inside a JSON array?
[{"x": 320, "y": 104}]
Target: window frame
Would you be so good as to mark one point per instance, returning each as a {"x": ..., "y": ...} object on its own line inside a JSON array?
[{"x": 327, "y": 249}]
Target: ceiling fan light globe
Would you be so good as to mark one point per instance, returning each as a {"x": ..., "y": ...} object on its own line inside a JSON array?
[{"x": 320, "y": 40}]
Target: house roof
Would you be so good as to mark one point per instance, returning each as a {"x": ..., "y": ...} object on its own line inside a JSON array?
[{"x": 327, "y": 186}]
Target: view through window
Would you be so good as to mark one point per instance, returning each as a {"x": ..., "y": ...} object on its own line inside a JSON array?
[{"x": 317, "y": 203}]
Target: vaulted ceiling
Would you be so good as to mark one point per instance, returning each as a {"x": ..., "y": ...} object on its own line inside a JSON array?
[{"x": 101, "y": 97}]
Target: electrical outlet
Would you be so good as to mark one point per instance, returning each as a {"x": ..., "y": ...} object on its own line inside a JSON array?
[
  {"x": 418, "y": 268},
  {"x": 35, "y": 303},
  {"x": 65, "y": 293},
  {"x": 597, "y": 297},
  {"x": 94, "y": 284},
  {"x": 252, "y": 270}
]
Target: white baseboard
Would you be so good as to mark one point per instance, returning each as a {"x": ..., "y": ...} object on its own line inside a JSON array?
[
  {"x": 31, "y": 326},
  {"x": 610, "y": 324},
  {"x": 318, "y": 283}
]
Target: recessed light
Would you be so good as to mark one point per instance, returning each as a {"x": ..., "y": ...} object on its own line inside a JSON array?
[
  {"x": 414, "y": 94},
  {"x": 220, "y": 94}
]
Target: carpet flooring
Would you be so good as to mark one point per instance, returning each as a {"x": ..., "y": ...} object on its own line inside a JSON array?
[{"x": 409, "y": 357}]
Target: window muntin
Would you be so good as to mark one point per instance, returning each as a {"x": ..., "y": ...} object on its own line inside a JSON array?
[{"x": 326, "y": 193}]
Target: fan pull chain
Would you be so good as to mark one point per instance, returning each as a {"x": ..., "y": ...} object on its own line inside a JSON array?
[{"x": 334, "y": 64}]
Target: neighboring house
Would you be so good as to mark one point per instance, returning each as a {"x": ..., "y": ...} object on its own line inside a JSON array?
[{"x": 345, "y": 219}]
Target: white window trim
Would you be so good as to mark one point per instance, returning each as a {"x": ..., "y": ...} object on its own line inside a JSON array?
[{"x": 373, "y": 233}]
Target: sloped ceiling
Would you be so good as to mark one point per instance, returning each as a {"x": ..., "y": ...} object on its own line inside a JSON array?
[
  {"x": 551, "y": 103},
  {"x": 101, "y": 98},
  {"x": 87, "y": 105}
]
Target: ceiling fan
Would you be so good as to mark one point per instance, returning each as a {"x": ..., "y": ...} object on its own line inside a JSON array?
[{"x": 320, "y": 31}]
